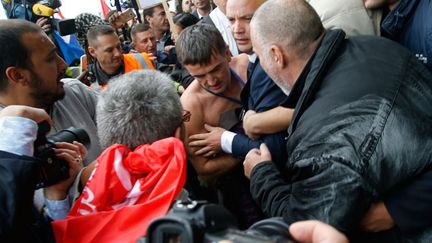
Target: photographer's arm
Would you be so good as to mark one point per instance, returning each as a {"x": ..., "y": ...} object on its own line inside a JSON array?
[{"x": 18, "y": 169}]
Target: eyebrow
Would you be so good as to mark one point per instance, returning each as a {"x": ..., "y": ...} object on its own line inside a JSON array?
[{"x": 215, "y": 67}]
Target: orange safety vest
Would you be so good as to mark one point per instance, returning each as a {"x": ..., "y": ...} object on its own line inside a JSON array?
[
  {"x": 136, "y": 61},
  {"x": 132, "y": 61}
]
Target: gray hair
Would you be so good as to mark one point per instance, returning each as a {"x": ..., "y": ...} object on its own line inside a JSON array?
[
  {"x": 197, "y": 43},
  {"x": 137, "y": 108},
  {"x": 292, "y": 24}
]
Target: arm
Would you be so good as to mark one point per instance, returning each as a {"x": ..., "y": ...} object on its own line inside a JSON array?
[
  {"x": 207, "y": 167},
  {"x": 309, "y": 191},
  {"x": 267, "y": 122}
]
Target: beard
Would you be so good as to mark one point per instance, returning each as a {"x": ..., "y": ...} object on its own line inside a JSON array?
[{"x": 43, "y": 96}]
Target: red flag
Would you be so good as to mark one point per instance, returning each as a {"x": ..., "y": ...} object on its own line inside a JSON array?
[
  {"x": 105, "y": 8},
  {"x": 126, "y": 191}
]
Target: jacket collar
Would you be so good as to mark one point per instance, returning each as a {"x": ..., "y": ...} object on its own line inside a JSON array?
[
  {"x": 396, "y": 19},
  {"x": 303, "y": 92}
]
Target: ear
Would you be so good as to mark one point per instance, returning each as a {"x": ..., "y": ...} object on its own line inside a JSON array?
[
  {"x": 278, "y": 56},
  {"x": 17, "y": 75},
  {"x": 147, "y": 18},
  {"x": 92, "y": 52}
]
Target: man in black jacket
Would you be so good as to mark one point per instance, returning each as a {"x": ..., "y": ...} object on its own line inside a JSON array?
[{"x": 361, "y": 122}]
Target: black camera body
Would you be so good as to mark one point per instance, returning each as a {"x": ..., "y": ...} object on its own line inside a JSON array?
[
  {"x": 53, "y": 169},
  {"x": 198, "y": 221}
]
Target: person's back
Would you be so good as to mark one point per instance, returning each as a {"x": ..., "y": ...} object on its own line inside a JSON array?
[{"x": 359, "y": 128}]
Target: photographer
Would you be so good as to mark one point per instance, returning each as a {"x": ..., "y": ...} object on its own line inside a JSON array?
[{"x": 19, "y": 173}]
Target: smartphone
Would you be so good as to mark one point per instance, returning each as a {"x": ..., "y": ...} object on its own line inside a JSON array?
[{"x": 125, "y": 16}]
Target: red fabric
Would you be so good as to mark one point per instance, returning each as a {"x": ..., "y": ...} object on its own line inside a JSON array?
[
  {"x": 127, "y": 190},
  {"x": 105, "y": 8}
]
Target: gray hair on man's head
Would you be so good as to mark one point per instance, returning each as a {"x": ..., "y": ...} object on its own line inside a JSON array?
[
  {"x": 292, "y": 24},
  {"x": 137, "y": 108}
]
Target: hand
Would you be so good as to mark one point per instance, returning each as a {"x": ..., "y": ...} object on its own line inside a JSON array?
[
  {"x": 35, "y": 114},
  {"x": 255, "y": 157},
  {"x": 210, "y": 141},
  {"x": 113, "y": 20},
  {"x": 44, "y": 24},
  {"x": 168, "y": 48},
  {"x": 248, "y": 125},
  {"x": 377, "y": 219},
  {"x": 316, "y": 232},
  {"x": 73, "y": 154},
  {"x": 152, "y": 57}
]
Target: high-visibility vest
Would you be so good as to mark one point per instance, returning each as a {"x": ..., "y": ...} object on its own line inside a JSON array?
[
  {"x": 132, "y": 61},
  {"x": 136, "y": 61}
]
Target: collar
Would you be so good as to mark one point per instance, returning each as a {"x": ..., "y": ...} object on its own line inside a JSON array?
[{"x": 101, "y": 76}]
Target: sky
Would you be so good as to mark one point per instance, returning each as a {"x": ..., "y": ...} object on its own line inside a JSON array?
[{"x": 71, "y": 8}]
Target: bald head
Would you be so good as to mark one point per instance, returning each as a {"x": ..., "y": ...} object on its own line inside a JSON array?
[
  {"x": 285, "y": 34},
  {"x": 293, "y": 24}
]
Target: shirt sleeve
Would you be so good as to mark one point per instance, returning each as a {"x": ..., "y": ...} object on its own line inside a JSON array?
[
  {"x": 17, "y": 135},
  {"x": 226, "y": 141},
  {"x": 57, "y": 209}
]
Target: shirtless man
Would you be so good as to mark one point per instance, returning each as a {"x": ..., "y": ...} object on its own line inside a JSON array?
[{"x": 215, "y": 90}]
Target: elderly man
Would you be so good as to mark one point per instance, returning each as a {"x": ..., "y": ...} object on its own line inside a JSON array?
[
  {"x": 359, "y": 128},
  {"x": 143, "y": 167}
]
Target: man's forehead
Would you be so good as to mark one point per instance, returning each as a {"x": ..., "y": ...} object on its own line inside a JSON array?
[
  {"x": 109, "y": 39},
  {"x": 241, "y": 8},
  {"x": 37, "y": 41}
]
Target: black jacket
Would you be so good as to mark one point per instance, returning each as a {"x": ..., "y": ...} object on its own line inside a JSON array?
[
  {"x": 19, "y": 220},
  {"x": 361, "y": 128}
]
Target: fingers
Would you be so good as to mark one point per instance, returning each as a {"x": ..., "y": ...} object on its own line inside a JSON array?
[
  {"x": 208, "y": 127},
  {"x": 265, "y": 152},
  {"x": 35, "y": 114},
  {"x": 73, "y": 152},
  {"x": 198, "y": 136},
  {"x": 315, "y": 231},
  {"x": 82, "y": 149},
  {"x": 205, "y": 150}
]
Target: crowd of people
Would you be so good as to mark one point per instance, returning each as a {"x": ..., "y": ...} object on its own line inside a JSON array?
[{"x": 311, "y": 112}]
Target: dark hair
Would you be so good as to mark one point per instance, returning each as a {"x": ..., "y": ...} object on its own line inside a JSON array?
[
  {"x": 94, "y": 32},
  {"x": 197, "y": 43},
  {"x": 138, "y": 28},
  {"x": 178, "y": 6},
  {"x": 13, "y": 51},
  {"x": 185, "y": 20},
  {"x": 150, "y": 11}
]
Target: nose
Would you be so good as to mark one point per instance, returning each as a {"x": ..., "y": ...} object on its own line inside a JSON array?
[
  {"x": 117, "y": 52},
  {"x": 237, "y": 27},
  {"x": 211, "y": 81}
]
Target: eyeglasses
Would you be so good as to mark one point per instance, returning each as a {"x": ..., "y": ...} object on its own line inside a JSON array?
[{"x": 186, "y": 115}]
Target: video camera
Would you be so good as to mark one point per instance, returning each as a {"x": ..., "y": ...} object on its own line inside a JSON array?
[
  {"x": 53, "y": 169},
  {"x": 198, "y": 221}
]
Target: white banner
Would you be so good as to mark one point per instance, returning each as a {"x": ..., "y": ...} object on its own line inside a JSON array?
[{"x": 143, "y": 4}]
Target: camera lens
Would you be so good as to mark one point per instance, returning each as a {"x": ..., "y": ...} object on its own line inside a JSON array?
[{"x": 71, "y": 134}]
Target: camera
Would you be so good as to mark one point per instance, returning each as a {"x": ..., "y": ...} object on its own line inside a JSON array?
[
  {"x": 52, "y": 169},
  {"x": 198, "y": 221}
]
